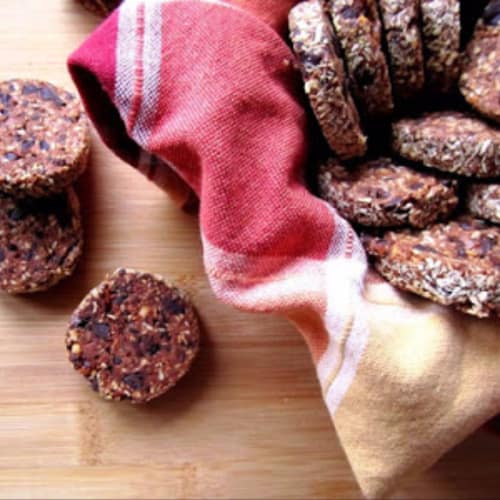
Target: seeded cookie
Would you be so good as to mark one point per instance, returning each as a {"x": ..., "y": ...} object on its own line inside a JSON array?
[
  {"x": 325, "y": 81},
  {"x": 480, "y": 79},
  {"x": 483, "y": 201},
  {"x": 441, "y": 36},
  {"x": 44, "y": 138},
  {"x": 100, "y": 7},
  {"x": 404, "y": 46},
  {"x": 40, "y": 241},
  {"x": 449, "y": 141},
  {"x": 358, "y": 28},
  {"x": 133, "y": 336},
  {"x": 380, "y": 193},
  {"x": 455, "y": 263}
]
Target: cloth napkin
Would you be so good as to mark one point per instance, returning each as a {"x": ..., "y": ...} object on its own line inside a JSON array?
[{"x": 203, "y": 98}]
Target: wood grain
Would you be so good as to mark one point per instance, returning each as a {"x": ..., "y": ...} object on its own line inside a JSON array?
[{"x": 248, "y": 422}]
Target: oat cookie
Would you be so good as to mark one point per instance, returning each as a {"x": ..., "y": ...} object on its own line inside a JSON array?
[
  {"x": 380, "y": 193},
  {"x": 40, "y": 241},
  {"x": 449, "y": 141},
  {"x": 133, "y": 336},
  {"x": 455, "y": 264},
  {"x": 44, "y": 138},
  {"x": 358, "y": 28},
  {"x": 404, "y": 46},
  {"x": 325, "y": 81},
  {"x": 100, "y": 7},
  {"x": 483, "y": 200},
  {"x": 480, "y": 79},
  {"x": 441, "y": 36}
]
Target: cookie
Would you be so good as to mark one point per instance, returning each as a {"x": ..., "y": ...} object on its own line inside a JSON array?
[
  {"x": 44, "y": 138},
  {"x": 358, "y": 28},
  {"x": 455, "y": 264},
  {"x": 133, "y": 336},
  {"x": 449, "y": 141},
  {"x": 401, "y": 20},
  {"x": 441, "y": 37},
  {"x": 380, "y": 193},
  {"x": 325, "y": 81},
  {"x": 100, "y": 7},
  {"x": 41, "y": 241},
  {"x": 480, "y": 79},
  {"x": 483, "y": 201}
]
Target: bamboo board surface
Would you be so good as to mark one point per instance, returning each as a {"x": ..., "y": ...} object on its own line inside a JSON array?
[{"x": 247, "y": 422}]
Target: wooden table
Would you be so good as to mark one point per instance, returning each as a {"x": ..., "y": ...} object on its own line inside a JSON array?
[{"x": 248, "y": 421}]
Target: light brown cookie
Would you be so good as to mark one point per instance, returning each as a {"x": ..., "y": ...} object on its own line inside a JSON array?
[
  {"x": 483, "y": 201},
  {"x": 325, "y": 81}
]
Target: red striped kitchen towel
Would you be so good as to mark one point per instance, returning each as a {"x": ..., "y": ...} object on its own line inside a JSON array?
[{"x": 202, "y": 97}]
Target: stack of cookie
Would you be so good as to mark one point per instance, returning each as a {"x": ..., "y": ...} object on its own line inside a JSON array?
[
  {"x": 44, "y": 148},
  {"x": 365, "y": 64}
]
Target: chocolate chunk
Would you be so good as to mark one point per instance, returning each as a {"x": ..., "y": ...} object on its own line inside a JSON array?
[
  {"x": 134, "y": 380},
  {"x": 5, "y": 99},
  {"x": 29, "y": 88},
  {"x": 48, "y": 94},
  {"x": 172, "y": 306},
  {"x": 27, "y": 145},
  {"x": 44, "y": 145},
  {"x": 16, "y": 214},
  {"x": 101, "y": 330},
  {"x": 352, "y": 12},
  {"x": 11, "y": 156}
]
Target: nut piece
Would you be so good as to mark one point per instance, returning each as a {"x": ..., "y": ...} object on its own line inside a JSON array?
[
  {"x": 380, "y": 193},
  {"x": 358, "y": 28},
  {"x": 455, "y": 264},
  {"x": 136, "y": 334},
  {"x": 41, "y": 241},
  {"x": 450, "y": 141},
  {"x": 44, "y": 141},
  {"x": 325, "y": 81},
  {"x": 480, "y": 79},
  {"x": 483, "y": 200}
]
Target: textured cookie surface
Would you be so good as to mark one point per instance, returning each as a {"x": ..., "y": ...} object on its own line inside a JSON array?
[
  {"x": 40, "y": 241},
  {"x": 404, "y": 46},
  {"x": 325, "y": 81},
  {"x": 480, "y": 79},
  {"x": 358, "y": 28},
  {"x": 441, "y": 36},
  {"x": 133, "y": 336},
  {"x": 483, "y": 200},
  {"x": 44, "y": 138},
  {"x": 100, "y": 7},
  {"x": 449, "y": 141},
  {"x": 380, "y": 193},
  {"x": 455, "y": 263}
]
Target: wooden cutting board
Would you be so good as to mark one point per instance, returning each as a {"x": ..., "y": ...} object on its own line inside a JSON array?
[{"x": 248, "y": 421}]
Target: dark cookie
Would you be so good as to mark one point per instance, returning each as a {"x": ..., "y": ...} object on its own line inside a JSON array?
[
  {"x": 358, "y": 28},
  {"x": 483, "y": 200},
  {"x": 380, "y": 193},
  {"x": 325, "y": 81},
  {"x": 455, "y": 264},
  {"x": 40, "y": 241},
  {"x": 100, "y": 7},
  {"x": 449, "y": 141},
  {"x": 133, "y": 336},
  {"x": 44, "y": 138}
]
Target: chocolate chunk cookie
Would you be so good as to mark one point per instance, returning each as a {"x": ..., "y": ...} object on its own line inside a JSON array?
[
  {"x": 480, "y": 79},
  {"x": 380, "y": 193},
  {"x": 325, "y": 81},
  {"x": 450, "y": 141},
  {"x": 404, "y": 46},
  {"x": 441, "y": 35},
  {"x": 40, "y": 241},
  {"x": 358, "y": 28},
  {"x": 44, "y": 138},
  {"x": 133, "y": 336},
  {"x": 455, "y": 264},
  {"x": 100, "y": 7},
  {"x": 483, "y": 200}
]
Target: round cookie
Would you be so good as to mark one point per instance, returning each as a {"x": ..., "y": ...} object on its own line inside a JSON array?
[
  {"x": 358, "y": 28},
  {"x": 483, "y": 201},
  {"x": 449, "y": 141},
  {"x": 380, "y": 193},
  {"x": 100, "y": 7},
  {"x": 404, "y": 46},
  {"x": 44, "y": 138},
  {"x": 325, "y": 81},
  {"x": 133, "y": 336},
  {"x": 455, "y": 264},
  {"x": 480, "y": 79},
  {"x": 441, "y": 36},
  {"x": 41, "y": 241}
]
